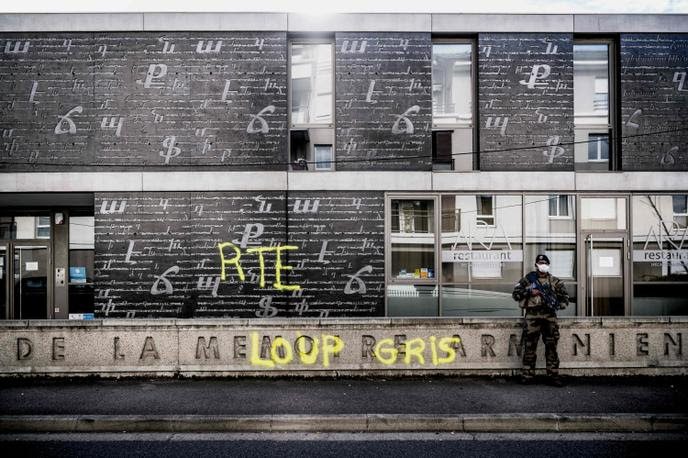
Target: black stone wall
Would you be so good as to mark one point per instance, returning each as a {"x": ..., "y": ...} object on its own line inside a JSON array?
[
  {"x": 525, "y": 100},
  {"x": 340, "y": 261},
  {"x": 173, "y": 99},
  {"x": 383, "y": 104},
  {"x": 654, "y": 98},
  {"x": 157, "y": 254}
]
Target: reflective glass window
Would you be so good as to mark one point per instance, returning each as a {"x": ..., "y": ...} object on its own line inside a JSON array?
[
  {"x": 413, "y": 239},
  {"x": 591, "y": 105},
  {"x": 481, "y": 253},
  {"x": 452, "y": 105},
  {"x": 660, "y": 256},
  {"x": 311, "y": 83}
]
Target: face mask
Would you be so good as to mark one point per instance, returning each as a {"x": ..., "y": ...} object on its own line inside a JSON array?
[{"x": 544, "y": 268}]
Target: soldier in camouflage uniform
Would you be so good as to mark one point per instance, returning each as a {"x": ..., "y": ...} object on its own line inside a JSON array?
[{"x": 540, "y": 294}]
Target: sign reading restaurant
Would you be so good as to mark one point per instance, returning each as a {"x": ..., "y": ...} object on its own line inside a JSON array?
[
  {"x": 660, "y": 255},
  {"x": 482, "y": 256}
]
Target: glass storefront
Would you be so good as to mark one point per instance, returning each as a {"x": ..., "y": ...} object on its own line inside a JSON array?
[
  {"x": 612, "y": 264},
  {"x": 660, "y": 255},
  {"x": 46, "y": 263},
  {"x": 482, "y": 254},
  {"x": 413, "y": 290}
]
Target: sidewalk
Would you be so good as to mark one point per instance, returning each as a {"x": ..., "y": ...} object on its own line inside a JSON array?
[{"x": 499, "y": 404}]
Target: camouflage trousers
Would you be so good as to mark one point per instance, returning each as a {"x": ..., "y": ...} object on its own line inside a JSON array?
[{"x": 533, "y": 326}]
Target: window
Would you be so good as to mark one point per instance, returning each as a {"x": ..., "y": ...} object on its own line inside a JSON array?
[
  {"x": 311, "y": 83},
  {"x": 598, "y": 148},
  {"x": 559, "y": 206},
  {"x": 603, "y": 213},
  {"x": 311, "y": 105},
  {"x": 680, "y": 209},
  {"x": 660, "y": 255},
  {"x": 81, "y": 260},
  {"x": 24, "y": 227},
  {"x": 485, "y": 210},
  {"x": 323, "y": 157},
  {"x": 452, "y": 104},
  {"x": 550, "y": 228},
  {"x": 591, "y": 104},
  {"x": 601, "y": 101},
  {"x": 412, "y": 279},
  {"x": 480, "y": 261},
  {"x": 43, "y": 227}
]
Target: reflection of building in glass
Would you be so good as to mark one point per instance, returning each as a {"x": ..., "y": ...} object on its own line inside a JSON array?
[
  {"x": 452, "y": 105},
  {"x": 591, "y": 105},
  {"x": 660, "y": 255}
]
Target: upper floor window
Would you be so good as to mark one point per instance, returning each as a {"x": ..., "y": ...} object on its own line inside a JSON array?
[
  {"x": 485, "y": 210},
  {"x": 311, "y": 83},
  {"x": 452, "y": 104},
  {"x": 592, "y": 104},
  {"x": 680, "y": 209},
  {"x": 598, "y": 148},
  {"x": 311, "y": 105},
  {"x": 43, "y": 227},
  {"x": 559, "y": 206}
]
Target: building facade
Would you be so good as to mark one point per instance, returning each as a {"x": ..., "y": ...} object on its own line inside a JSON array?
[{"x": 362, "y": 165}]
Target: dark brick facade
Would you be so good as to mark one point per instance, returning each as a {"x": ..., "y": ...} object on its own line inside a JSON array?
[
  {"x": 654, "y": 98},
  {"x": 157, "y": 254},
  {"x": 383, "y": 100},
  {"x": 156, "y": 100},
  {"x": 525, "y": 84}
]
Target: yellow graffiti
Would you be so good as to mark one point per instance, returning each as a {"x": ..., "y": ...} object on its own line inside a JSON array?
[
  {"x": 279, "y": 267},
  {"x": 331, "y": 345},
  {"x": 413, "y": 350},
  {"x": 311, "y": 356},
  {"x": 256, "y": 360},
  {"x": 234, "y": 260},
  {"x": 282, "y": 351},
  {"x": 387, "y": 352},
  {"x": 280, "y": 342},
  {"x": 390, "y": 354},
  {"x": 448, "y": 345}
]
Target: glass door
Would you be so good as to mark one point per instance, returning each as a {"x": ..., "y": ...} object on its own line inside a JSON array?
[
  {"x": 4, "y": 285},
  {"x": 605, "y": 265},
  {"x": 30, "y": 281}
]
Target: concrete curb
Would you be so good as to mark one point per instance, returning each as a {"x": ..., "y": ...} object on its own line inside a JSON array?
[{"x": 469, "y": 423}]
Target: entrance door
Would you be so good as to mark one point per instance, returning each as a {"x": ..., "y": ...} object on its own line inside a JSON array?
[
  {"x": 606, "y": 273},
  {"x": 4, "y": 283},
  {"x": 30, "y": 289}
]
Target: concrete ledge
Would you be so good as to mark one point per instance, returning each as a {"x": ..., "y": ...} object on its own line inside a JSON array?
[
  {"x": 360, "y": 22},
  {"x": 467, "y": 23},
  {"x": 214, "y": 181},
  {"x": 360, "y": 181},
  {"x": 385, "y": 346},
  {"x": 534, "y": 423},
  {"x": 70, "y": 181},
  {"x": 546, "y": 182},
  {"x": 71, "y": 22},
  {"x": 504, "y": 181},
  {"x": 354, "y": 22},
  {"x": 214, "y": 21},
  {"x": 631, "y": 23},
  {"x": 632, "y": 181}
]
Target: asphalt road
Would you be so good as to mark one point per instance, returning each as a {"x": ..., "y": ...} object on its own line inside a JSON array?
[
  {"x": 340, "y": 445},
  {"x": 457, "y": 395}
]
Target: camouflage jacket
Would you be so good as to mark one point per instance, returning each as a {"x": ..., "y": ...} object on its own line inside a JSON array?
[{"x": 537, "y": 303}]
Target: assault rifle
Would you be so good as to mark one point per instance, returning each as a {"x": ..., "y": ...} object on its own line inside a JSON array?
[{"x": 547, "y": 294}]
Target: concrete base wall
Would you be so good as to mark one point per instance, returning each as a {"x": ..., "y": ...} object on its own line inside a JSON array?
[{"x": 303, "y": 347}]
